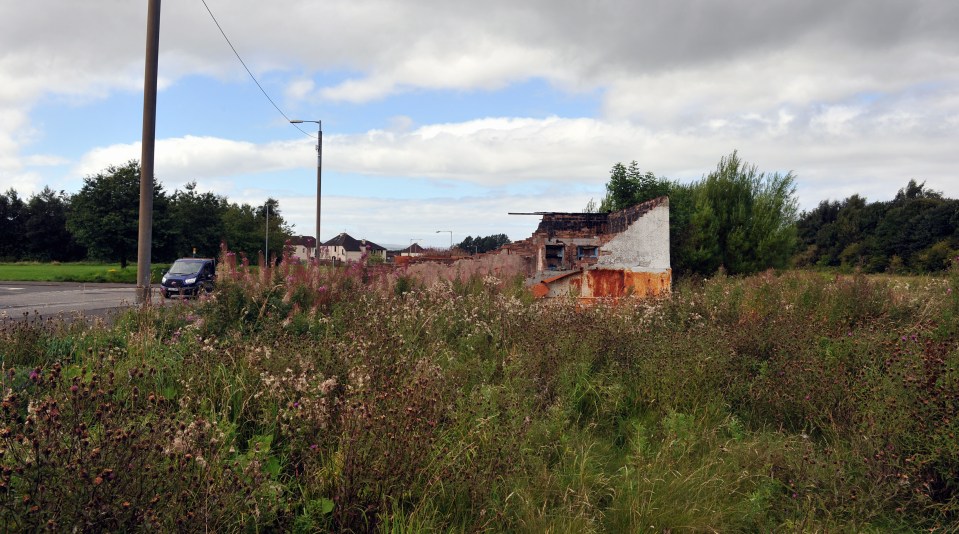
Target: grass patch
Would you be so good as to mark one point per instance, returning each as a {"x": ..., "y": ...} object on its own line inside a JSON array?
[{"x": 75, "y": 272}]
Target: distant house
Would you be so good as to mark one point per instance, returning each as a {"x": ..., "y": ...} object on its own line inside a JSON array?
[
  {"x": 304, "y": 247},
  {"x": 414, "y": 250},
  {"x": 344, "y": 248}
]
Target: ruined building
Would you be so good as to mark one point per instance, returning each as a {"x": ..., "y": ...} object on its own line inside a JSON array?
[
  {"x": 595, "y": 255},
  {"x": 582, "y": 255}
]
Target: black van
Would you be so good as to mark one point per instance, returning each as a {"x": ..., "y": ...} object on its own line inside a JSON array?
[{"x": 187, "y": 276}]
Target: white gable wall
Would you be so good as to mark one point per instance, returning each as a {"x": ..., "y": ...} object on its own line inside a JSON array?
[{"x": 643, "y": 246}]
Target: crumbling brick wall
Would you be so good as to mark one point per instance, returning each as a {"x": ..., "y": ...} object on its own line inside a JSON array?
[{"x": 503, "y": 264}]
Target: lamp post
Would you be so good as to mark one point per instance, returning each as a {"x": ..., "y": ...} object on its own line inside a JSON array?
[
  {"x": 319, "y": 169},
  {"x": 451, "y": 238}
]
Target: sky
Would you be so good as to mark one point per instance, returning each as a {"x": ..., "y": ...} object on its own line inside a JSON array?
[{"x": 440, "y": 117}]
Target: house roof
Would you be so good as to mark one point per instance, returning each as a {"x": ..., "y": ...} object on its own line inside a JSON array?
[
  {"x": 307, "y": 241},
  {"x": 415, "y": 248},
  {"x": 350, "y": 244}
]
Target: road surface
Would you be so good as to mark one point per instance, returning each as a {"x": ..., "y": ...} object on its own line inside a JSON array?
[{"x": 68, "y": 298}]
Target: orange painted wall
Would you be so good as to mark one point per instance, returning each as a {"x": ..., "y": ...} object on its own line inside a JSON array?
[{"x": 608, "y": 283}]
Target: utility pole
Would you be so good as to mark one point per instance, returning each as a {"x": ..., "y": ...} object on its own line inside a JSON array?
[
  {"x": 266, "y": 247},
  {"x": 148, "y": 140},
  {"x": 319, "y": 171}
]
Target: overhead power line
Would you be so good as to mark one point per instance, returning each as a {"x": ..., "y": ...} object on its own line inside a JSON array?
[{"x": 248, "y": 71}]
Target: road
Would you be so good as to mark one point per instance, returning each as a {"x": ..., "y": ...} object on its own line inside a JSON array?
[{"x": 69, "y": 298}]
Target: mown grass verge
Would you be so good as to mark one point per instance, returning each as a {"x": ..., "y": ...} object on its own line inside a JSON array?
[
  {"x": 306, "y": 399},
  {"x": 74, "y": 272}
]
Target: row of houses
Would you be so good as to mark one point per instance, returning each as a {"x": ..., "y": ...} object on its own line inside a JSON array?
[{"x": 342, "y": 248}]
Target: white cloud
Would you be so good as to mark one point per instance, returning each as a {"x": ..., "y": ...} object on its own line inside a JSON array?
[
  {"x": 855, "y": 96},
  {"x": 181, "y": 160},
  {"x": 554, "y": 156},
  {"x": 835, "y": 120},
  {"x": 299, "y": 89}
]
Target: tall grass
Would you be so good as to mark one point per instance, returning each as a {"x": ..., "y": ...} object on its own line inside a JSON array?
[{"x": 307, "y": 398}]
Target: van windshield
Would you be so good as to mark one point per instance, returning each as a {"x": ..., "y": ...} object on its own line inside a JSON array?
[{"x": 185, "y": 267}]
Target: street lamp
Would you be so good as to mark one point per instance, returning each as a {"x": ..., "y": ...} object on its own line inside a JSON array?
[
  {"x": 319, "y": 170},
  {"x": 451, "y": 237}
]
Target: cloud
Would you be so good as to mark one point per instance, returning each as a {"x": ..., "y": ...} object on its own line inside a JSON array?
[
  {"x": 184, "y": 159},
  {"x": 856, "y": 96},
  {"x": 556, "y": 154}
]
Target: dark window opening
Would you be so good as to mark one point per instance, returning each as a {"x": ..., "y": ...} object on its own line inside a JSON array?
[
  {"x": 554, "y": 257},
  {"x": 587, "y": 252}
]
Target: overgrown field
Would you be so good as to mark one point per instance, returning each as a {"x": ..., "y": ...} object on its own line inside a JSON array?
[{"x": 309, "y": 400}]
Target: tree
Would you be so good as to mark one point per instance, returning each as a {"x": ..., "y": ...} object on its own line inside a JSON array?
[
  {"x": 245, "y": 228},
  {"x": 745, "y": 219},
  {"x": 735, "y": 217},
  {"x": 198, "y": 219},
  {"x": 629, "y": 186},
  {"x": 241, "y": 233},
  {"x": 12, "y": 215},
  {"x": 479, "y": 245},
  {"x": 105, "y": 214},
  {"x": 279, "y": 230},
  {"x": 45, "y": 228},
  {"x": 916, "y": 231}
]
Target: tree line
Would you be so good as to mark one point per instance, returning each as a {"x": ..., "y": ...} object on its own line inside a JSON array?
[
  {"x": 742, "y": 220},
  {"x": 915, "y": 232},
  {"x": 479, "y": 245},
  {"x": 100, "y": 222}
]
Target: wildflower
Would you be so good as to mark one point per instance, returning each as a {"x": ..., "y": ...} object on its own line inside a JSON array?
[{"x": 328, "y": 385}]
